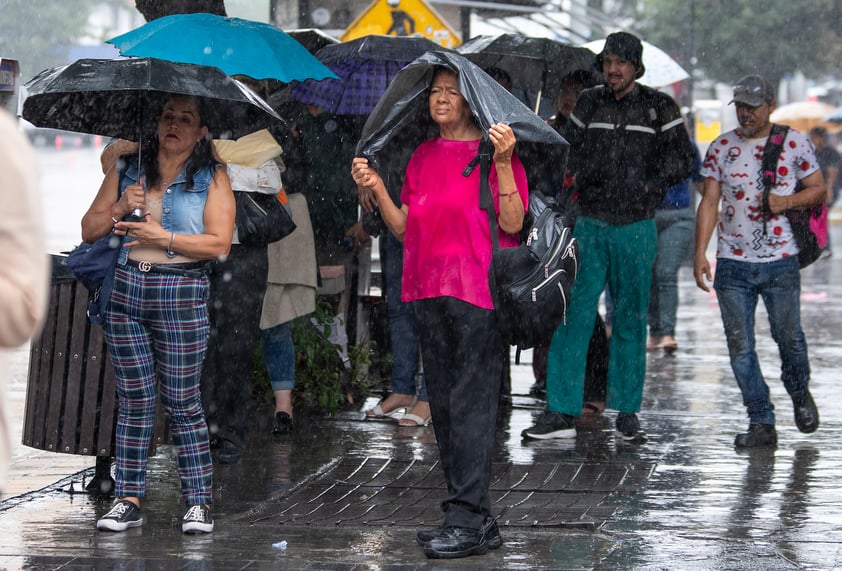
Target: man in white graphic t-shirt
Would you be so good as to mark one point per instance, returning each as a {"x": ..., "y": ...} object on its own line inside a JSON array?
[{"x": 756, "y": 254}]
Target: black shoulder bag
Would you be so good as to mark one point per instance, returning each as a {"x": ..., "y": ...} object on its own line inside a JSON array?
[
  {"x": 530, "y": 284},
  {"x": 261, "y": 218}
]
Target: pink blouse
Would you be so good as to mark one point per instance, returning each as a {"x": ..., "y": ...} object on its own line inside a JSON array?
[{"x": 447, "y": 244}]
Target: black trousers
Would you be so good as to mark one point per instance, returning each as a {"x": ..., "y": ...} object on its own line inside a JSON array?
[
  {"x": 237, "y": 286},
  {"x": 461, "y": 348}
]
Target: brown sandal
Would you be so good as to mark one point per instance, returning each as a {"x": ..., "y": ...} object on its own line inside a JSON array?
[{"x": 592, "y": 408}]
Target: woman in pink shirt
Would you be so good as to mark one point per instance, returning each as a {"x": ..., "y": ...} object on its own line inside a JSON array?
[{"x": 447, "y": 253}]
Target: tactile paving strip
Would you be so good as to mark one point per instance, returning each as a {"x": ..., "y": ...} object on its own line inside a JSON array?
[{"x": 382, "y": 491}]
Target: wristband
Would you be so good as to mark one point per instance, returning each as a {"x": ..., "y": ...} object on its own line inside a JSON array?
[
  {"x": 169, "y": 248},
  {"x": 111, "y": 213}
]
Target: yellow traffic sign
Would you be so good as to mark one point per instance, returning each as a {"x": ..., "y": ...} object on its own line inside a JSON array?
[{"x": 402, "y": 18}]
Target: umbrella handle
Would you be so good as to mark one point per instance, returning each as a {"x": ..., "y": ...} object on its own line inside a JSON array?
[{"x": 137, "y": 214}]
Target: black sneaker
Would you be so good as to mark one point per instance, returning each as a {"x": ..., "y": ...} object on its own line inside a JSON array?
[
  {"x": 492, "y": 533},
  {"x": 551, "y": 425},
  {"x": 806, "y": 413},
  {"x": 758, "y": 436},
  {"x": 197, "y": 520},
  {"x": 628, "y": 426},
  {"x": 122, "y": 516},
  {"x": 489, "y": 527},
  {"x": 425, "y": 536},
  {"x": 456, "y": 542},
  {"x": 283, "y": 423}
]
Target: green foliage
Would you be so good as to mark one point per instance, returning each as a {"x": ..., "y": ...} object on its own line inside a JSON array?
[
  {"x": 323, "y": 383},
  {"x": 732, "y": 38}
]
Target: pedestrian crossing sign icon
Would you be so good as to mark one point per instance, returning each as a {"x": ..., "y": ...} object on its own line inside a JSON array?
[{"x": 402, "y": 18}]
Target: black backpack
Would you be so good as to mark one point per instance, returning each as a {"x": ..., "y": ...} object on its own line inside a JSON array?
[
  {"x": 804, "y": 223},
  {"x": 531, "y": 283}
]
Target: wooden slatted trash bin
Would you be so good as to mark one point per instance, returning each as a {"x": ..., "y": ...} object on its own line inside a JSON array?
[{"x": 71, "y": 401}]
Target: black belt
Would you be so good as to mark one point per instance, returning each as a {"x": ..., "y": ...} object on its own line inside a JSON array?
[{"x": 187, "y": 270}]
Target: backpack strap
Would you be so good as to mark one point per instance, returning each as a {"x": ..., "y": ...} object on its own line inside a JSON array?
[
  {"x": 486, "y": 201},
  {"x": 769, "y": 165}
]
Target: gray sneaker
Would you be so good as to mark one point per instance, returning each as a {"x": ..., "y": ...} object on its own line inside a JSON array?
[
  {"x": 123, "y": 515},
  {"x": 551, "y": 425},
  {"x": 197, "y": 520}
]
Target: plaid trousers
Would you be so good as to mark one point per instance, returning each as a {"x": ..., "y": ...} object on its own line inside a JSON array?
[{"x": 156, "y": 327}]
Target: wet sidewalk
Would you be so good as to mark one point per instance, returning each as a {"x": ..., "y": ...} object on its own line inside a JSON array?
[{"x": 345, "y": 493}]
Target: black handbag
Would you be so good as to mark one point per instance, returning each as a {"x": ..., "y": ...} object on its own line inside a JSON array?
[
  {"x": 530, "y": 284},
  {"x": 261, "y": 218}
]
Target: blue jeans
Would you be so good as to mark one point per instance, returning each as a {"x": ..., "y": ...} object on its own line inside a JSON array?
[
  {"x": 279, "y": 356},
  {"x": 738, "y": 285},
  {"x": 675, "y": 232},
  {"x": 402, "y": 328}
]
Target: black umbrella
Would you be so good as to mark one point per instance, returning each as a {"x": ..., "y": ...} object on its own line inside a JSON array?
[
  {"x": 536, "y": 65},
  {"x": 401, "y": 120},
  {"x": 313, "y": 39},
  {"x": 120, "y": 97}
]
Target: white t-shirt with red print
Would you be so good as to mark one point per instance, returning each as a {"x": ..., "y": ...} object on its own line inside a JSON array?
[{"x": 735, "y": 162}]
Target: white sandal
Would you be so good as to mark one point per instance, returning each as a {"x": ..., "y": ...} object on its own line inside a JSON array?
[
  {"x": 417, "y": 420},
  {"x": 379, "y": 414}
]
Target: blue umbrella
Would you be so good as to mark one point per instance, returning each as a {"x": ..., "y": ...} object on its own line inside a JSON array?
[{"x": 236, "y": 46}]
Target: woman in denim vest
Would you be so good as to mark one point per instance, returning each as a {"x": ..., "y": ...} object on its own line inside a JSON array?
[{"x": 156, "y": 323}]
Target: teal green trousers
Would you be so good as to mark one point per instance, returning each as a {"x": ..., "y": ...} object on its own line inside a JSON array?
[{"x": 620, "y": 257}]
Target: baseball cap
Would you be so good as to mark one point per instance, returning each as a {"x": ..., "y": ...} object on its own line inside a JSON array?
[
  {"x": 753, "y": 90},
  {"x": 625, "y": 45}
]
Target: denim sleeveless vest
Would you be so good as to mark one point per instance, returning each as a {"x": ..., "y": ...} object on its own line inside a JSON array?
[{"x": 182, "y": 208}]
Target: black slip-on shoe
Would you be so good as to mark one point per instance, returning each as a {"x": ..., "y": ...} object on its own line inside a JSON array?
[{"x": 283, "y": 423}]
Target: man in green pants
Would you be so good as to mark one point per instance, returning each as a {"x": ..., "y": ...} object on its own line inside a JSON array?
[{"x": 628, "y": 146}]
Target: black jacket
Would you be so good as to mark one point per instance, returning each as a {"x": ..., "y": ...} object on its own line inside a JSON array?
[{"x": 625, "y": 154}]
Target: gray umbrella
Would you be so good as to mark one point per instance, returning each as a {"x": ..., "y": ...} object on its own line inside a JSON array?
[
  {"x": 401, "y": 120},
  {"x": 120, "y": 97}
]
